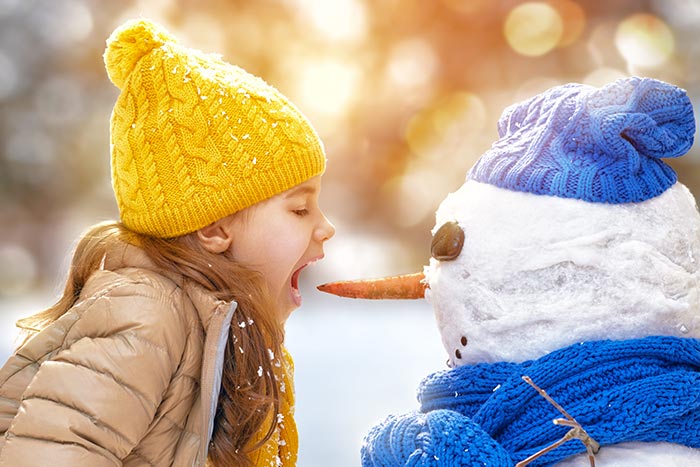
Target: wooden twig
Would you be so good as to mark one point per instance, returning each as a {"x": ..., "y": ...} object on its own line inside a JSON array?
[{"x": 576, "y": 431}]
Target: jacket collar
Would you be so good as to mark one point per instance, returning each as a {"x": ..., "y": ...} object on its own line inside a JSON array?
[{"x": 124, "y": 255}]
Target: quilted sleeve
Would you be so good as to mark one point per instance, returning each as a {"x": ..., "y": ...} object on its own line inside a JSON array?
[
  {"x": 92, "y": 402},
  {"x": 440, "y": 438}
]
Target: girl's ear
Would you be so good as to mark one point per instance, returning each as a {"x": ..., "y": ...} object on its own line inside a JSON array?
[{"x": 216, "y": 237}]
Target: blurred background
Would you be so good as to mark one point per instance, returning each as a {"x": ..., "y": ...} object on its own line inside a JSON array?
[{"x": 405, "y": 95}]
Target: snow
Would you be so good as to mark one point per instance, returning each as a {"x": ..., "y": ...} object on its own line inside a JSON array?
[{"x": 538, "y": 273}]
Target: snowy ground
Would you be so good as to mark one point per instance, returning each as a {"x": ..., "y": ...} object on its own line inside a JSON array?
[{"x": 356, "y": 362}]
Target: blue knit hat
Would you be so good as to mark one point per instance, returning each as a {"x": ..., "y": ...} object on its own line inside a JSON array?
[{"x": 599, "y": 145}]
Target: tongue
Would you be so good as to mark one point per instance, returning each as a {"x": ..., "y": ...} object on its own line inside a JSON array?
[{"x": 407, "y": 286}]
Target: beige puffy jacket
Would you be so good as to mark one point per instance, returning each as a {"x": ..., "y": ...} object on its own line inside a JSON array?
[{"x": 128, "y": 376}]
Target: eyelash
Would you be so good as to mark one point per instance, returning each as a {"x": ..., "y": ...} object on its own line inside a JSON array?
[{"x": 301, "y": 212}]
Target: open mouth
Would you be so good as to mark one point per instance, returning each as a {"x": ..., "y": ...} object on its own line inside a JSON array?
[{"x": 296, "y": 295}]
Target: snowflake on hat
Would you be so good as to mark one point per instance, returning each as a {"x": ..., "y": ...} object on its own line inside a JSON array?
[{"x": 565, "y": 281}]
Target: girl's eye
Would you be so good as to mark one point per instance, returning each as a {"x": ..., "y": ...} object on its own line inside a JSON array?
[{"x": 301, "y": 212}]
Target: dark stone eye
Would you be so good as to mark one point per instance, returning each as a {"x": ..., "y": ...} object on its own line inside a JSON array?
[
  {"x": 447, "y": 242},
  {"x": 458, "y": 354},
  {"x": 464, "y": 340}
]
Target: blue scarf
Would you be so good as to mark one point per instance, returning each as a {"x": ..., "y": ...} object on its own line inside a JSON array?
[{"x": 635, "y": 390}]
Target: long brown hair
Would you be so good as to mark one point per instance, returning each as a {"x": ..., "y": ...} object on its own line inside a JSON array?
[{"x": 248, "y": 395}]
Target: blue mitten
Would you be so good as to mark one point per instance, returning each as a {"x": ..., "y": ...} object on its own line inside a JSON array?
[{"x": 440, "y": 438}]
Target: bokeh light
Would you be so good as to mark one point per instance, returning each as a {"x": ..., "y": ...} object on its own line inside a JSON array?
[
  {"x": 339, "y": 20},
  {"x": 463, "y": 111},
  {"x": 533, "y": 28},
  {"x": 412, "y": 63},
  {"x": 421, "y": 135},
  {"x": 644, "y": 39},
  {"x": 460, "y": 115},
  {"x": 326, "y": 87}
]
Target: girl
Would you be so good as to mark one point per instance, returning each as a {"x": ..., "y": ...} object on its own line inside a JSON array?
[{"x": 166, "y": 347}]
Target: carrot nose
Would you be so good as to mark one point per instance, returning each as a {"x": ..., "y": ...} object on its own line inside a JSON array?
[{"x": 407, "y": 286}]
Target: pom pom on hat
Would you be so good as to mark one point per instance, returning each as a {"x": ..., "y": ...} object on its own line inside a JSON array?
[
  {"x": 598, "y": 145},
  {"x": 128, "y": 44},
  {"x": 195, "y": 139}
]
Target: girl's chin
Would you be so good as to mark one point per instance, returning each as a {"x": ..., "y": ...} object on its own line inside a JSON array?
[{"x": 292, "y": 302}]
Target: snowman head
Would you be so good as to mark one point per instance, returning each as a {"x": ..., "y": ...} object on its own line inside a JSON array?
[
  {"x": 574, "y": 228},
  {"x": 537, "y": 273},
  {"x": 570, "y": 227}
]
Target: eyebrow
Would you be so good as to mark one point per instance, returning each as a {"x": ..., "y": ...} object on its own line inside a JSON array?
[{"x": 300, "y": 190}]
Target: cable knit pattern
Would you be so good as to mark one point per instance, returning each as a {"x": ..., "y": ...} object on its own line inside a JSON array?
[
  {"x": 636, "y": 390},
  {"x": 599, "y": 145},
  {"x": 194, "y": 138}
]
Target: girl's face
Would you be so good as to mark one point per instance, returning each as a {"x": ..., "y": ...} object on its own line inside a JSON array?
[{"x": 279, "y": 237}]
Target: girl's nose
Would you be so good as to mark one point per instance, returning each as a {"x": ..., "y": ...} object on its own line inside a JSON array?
[{"x": 325, "y": 230}]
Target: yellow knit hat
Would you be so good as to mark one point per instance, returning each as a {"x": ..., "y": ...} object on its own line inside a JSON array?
[{"x": 193, "y": 138}]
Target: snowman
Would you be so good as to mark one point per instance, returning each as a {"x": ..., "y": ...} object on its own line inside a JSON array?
[{"x": 565, "y": 281}]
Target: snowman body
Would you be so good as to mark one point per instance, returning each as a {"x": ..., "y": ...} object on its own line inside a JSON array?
[{"x": 540, "y": 273}]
